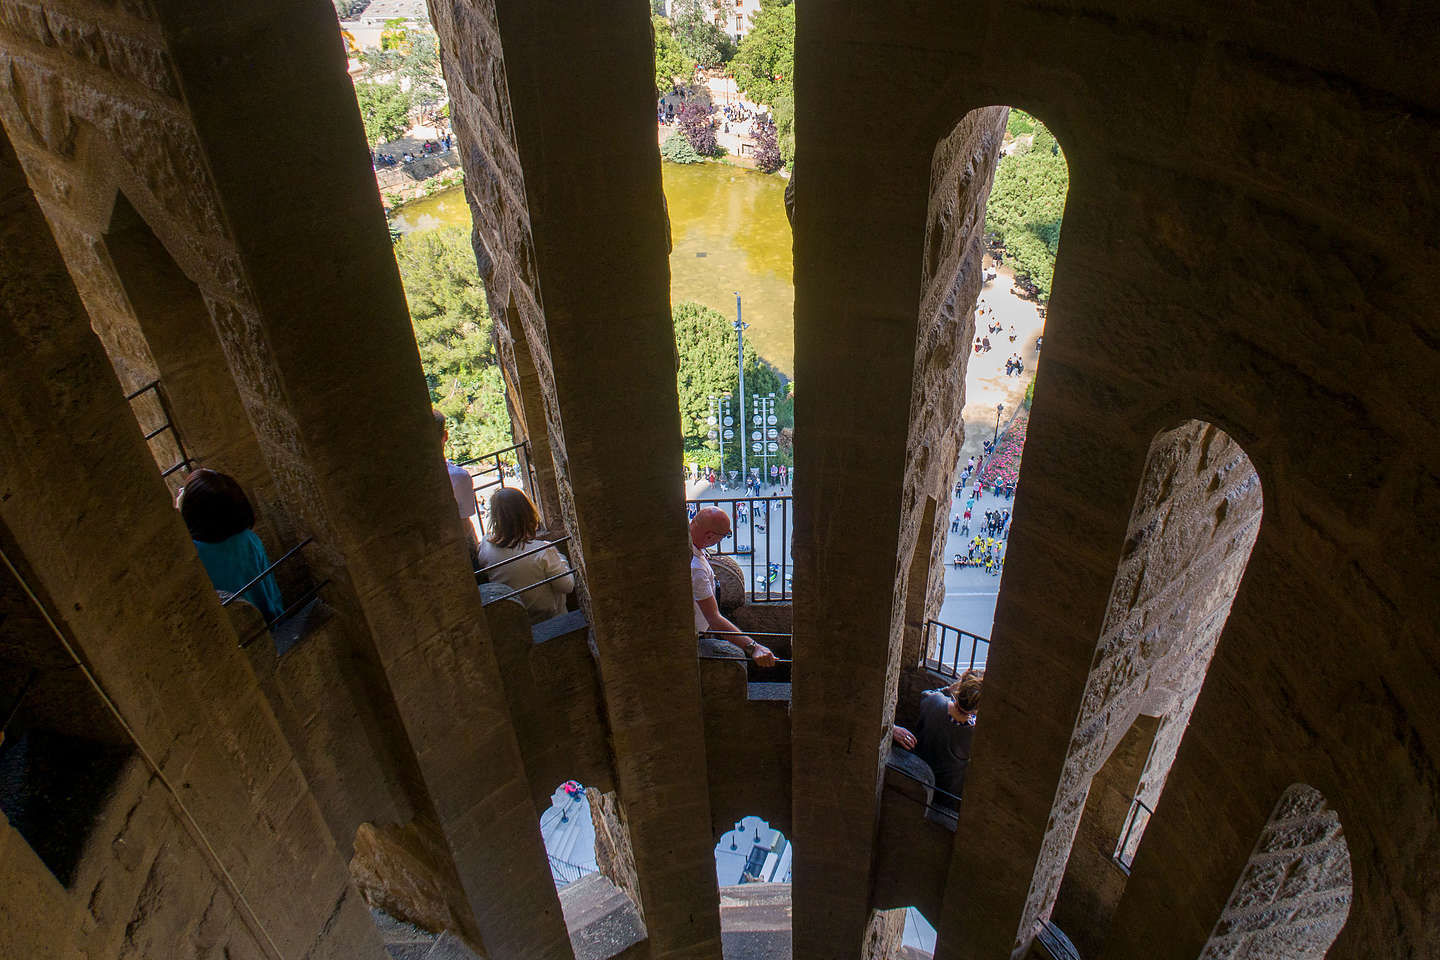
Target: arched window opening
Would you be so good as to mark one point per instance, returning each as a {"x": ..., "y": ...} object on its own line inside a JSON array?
[
  {"x": 753, "y": 852},
  {"x": 1192, "y": 527},
  {"x": 991, "y": 245},
  {"x": 1293, "y": 897},
  {"x": 569, "y": 834},
  {"x": 998, "y": 185},
  {"x": 731, "y": 284}
]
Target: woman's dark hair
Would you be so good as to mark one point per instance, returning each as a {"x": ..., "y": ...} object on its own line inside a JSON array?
[
  {"x": 513, "y": 518},
  {"x": 214, "y": 507}
]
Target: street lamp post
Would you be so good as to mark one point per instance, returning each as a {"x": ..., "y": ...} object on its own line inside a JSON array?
[
  {"x": 996, "y": 438},
  {"x": 740, "y": 326},
  {"x": 722, "y": 426},
  {"x": 765, "y": 434}
]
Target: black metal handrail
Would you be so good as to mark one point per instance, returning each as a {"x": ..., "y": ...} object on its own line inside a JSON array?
[
  {"x": 19, "y": 701},
  {"x": 499, "y": 470},
  {"x": 169, "y": 424},
  {"x": 770, "y": 568},
  {"x": 1123, "y": 857},
  {"x": 567, "y": 872},
  {"x": 929, "y": 786},
  {"x": 519, "y": 556},
  {"x": 933, "y": 657},
  {"x": 299, "y": 604},
  {"x": 569, "y": 571},
  {"x": 722, "y": 634}
]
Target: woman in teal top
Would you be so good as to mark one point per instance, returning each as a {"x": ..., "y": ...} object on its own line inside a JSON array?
[{"x": 220, "y": 520}]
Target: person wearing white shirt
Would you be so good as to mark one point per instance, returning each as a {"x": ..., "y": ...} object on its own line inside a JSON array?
[
  {"x": 709, "y": 527},
  {"x": 514, "y": 522}
]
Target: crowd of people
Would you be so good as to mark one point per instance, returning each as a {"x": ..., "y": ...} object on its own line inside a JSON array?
[{"x": 429, "y": 148}]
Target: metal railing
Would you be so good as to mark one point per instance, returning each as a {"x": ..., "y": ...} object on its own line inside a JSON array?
[
  {"x": 765, "y": 559},
  {"x": 951, "y": 662},
  {"x": 19, "y": 702},
  {"x": 568, "y": 572},
  {"x": 289, "y": 611},
  {"x": 564, "y": 872},
  {"x": 169, "y": 424},
  {"x": 955, "y": 805},
  {"x": 1124, "y": 855},
  {"x": 757, "y": 635},
  {"x": 498, "y": 467}
]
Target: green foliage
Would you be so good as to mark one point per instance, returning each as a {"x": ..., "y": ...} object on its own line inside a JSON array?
[
  {"x": 670, "y": 61},
  {"x": 350, "y": 9},
  {"x": 421, "y": 66},
  {"x": 1020, "y": 123},
  {"x": 706, "y": 342},
  {"x": 413, "y": 62},
  {"x": 677, "y": 149},
  {"x": 385, "y": 108},
  {"x": 1029, "y": 394},
  {"x": 768, "y": 53},
  {"x": 699, "y": 38},
  {"x": 453, "y": 333},
  {"x": 1027, "y": 204}
]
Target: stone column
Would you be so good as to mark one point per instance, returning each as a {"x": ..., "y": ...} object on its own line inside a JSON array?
[
  {"x": 860, "y": 213},
  {"x": 527, "y": 398},
  {"x": 112, "y": 562},
  {"x": 325, "y": 329},
  {"x": 588, "y": 240}
]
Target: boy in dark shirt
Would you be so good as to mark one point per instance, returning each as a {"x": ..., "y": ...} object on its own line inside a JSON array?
[{"x": 942, "y": 737}]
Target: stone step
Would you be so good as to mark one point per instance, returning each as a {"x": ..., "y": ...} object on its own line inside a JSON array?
[
  {"x": 602, "y": 920},
  {"x": 405, "y": 941},
  {"x": 755, "y": 921}
]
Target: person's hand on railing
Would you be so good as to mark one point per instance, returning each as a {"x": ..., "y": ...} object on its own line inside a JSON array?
[
  {"x": 903, "y": 737},
  {"x": 761, "y": 654}
]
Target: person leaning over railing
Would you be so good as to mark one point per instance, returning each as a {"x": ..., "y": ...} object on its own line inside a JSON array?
[
  {"x": 947, "y": 726},
  {"x": 709, "y": 527},
  {"x": 514, "y": 522},
  {"x": 220, "y": 519}
]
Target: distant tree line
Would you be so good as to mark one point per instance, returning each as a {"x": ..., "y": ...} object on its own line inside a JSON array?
[
  {"x": 455, "y": 337},
  {"x": 707, "y": 344},
  {"x": 1027, "y": 201}
]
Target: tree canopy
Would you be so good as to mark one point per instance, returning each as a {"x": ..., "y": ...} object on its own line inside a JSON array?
[
  {"x": 1027, "y": 202},
  {"x": 670, "y": 60},
  {"x": 385, "y": 108},
  {"x": 698, "y": 36},
  {"x": 706, "y": 342},
  {"x": 453, "y": 333},
  {"x": 764, "y": 70}
]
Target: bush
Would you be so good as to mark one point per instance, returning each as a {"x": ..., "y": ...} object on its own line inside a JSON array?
[
  {"x": 677, "y": 149},
  {"x": 767, "y": 149},
  {"x": 699, "y": 129}
]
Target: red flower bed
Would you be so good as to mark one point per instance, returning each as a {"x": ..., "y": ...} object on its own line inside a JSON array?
[{"x": 1003, "y": 464}]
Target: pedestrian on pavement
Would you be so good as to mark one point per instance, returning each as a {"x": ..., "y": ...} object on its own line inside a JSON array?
[{"x": 955, "y": 523}]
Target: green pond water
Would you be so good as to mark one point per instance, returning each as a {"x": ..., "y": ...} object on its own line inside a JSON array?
[{"x": 730, "y": 233}]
